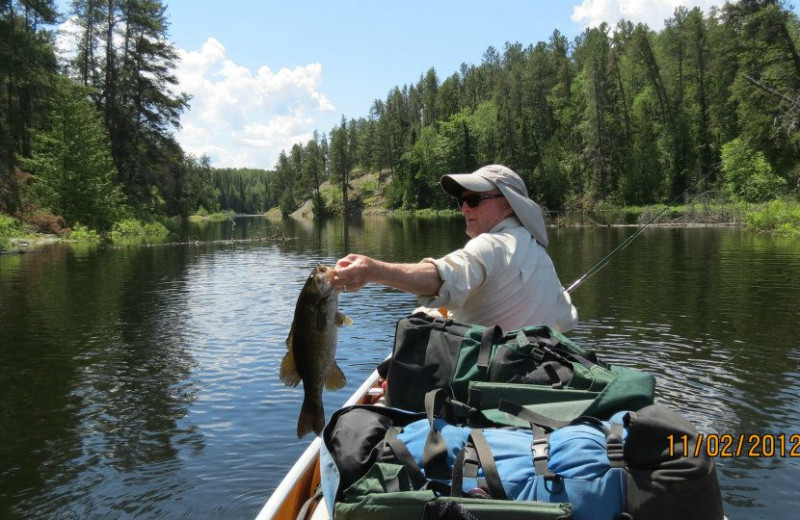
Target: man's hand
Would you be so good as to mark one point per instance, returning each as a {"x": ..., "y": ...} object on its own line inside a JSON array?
[{"x": 352, "y": 272}]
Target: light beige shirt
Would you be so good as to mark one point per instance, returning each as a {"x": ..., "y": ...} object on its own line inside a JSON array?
[{"x": 503, "y": 277}]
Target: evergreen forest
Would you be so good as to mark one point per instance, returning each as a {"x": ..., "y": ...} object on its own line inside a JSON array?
[{"x": 622, "y": 115}]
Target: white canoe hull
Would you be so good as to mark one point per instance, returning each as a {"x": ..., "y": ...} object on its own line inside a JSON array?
[{"x": 302, "y": 480}]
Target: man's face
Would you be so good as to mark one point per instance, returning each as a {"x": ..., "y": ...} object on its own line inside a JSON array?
[{"x": 488, "y": 213}]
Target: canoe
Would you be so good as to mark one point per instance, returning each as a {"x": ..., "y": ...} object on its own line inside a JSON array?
[{"x": 300, "y": 483}]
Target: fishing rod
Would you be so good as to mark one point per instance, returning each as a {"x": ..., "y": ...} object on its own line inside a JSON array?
[{"x": 603, "y": 261}]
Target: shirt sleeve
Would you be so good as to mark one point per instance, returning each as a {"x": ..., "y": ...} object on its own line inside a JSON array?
[{"x": 462, "y": 271}]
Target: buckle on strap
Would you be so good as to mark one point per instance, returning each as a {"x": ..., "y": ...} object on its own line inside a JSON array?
[
  {"x": 614, "y": 447},
  {"x": 440, "y": 323},
  {"x": 471, "y": 462},
  {"x": 540, "y": 452}
]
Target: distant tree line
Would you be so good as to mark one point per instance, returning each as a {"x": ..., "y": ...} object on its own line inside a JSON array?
[{"x": 625, "y": 116}]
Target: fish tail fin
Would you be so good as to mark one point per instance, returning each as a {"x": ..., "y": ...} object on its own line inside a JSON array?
[
  {"x": 335, "y": 379},
  {"x": 288, "y": 371},
  {"x": 312, "y": 417}
]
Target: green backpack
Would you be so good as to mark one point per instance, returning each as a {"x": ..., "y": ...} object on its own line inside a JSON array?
[{"x": 535, "y": 367}]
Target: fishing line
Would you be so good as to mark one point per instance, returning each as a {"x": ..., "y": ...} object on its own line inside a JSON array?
[{"x": 603, "y": 261}]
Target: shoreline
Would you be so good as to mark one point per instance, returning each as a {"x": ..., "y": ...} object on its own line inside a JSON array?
[{"x": 23, "y": 245}]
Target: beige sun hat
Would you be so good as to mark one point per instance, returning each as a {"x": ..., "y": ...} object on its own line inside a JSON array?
[{"x": 510, "y": 185}]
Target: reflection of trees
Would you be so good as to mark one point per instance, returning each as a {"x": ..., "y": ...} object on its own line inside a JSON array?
[
  {"x": 138, "y": 387},
  {"x": 37, "y": 371},
  {"x": 396, "y": 239},
  {"x": 94, "y": 378}
]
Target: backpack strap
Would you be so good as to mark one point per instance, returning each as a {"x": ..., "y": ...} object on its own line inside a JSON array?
[
  {"x": 555, "y": 380},
  {"x": 404, "y": 457},
  {"x": 530, "y": 416},
  {"x": 477, "y": 453},
  {"x": 434, "y": 455},
  {"x": 614, "y": 447},
  {"x": 487, "y": 340},
  {"x": 486, "y": 460}
]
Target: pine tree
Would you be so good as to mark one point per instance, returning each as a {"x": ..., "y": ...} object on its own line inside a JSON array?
[{"x": 71, "y": 162}]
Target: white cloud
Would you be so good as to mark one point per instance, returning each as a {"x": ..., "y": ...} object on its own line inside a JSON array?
[
  {"x": 68, "y": 35},
  {"x": 241, "y": 118},
  {"x": 652, "y": 12}
]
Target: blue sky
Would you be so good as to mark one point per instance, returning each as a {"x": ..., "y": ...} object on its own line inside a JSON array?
[{"x": 264, "y": 75}]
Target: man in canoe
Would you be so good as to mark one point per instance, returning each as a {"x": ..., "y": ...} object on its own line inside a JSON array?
[{"x": 502, "y": 276}]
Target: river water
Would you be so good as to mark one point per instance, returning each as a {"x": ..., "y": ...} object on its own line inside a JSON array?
[{"x": 142, "y": 381}]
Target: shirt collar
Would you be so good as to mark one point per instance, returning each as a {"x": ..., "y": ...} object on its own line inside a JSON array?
[{"x": 506, "y": 223}]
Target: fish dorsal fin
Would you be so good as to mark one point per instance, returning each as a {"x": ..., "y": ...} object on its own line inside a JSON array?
[
  {"x": 336, "y": 379},
  {"x": 288, "y": 371},
  {"x": 341, "y": 319}
]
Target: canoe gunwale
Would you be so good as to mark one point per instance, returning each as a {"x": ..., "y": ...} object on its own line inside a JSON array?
[{"x": 301, "y": 480}]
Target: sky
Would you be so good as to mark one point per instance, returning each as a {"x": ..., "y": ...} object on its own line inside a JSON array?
[{"x": 264, "y": 75}]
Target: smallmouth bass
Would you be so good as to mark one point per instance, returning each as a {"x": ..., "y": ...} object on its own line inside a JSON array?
[{"x": 311, "y": 347}]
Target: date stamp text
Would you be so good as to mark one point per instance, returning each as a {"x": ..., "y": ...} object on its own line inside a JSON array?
[{"x": 755, "y": 445}]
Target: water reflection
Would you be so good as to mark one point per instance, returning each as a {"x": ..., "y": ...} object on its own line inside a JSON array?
[
  {"x": 712, "y": 312},
  {"x": 143, "y": 381}
]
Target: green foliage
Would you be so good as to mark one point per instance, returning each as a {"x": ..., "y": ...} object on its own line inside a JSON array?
[
  {"x": 320, "y": 205},
  {"x": 780, "y": 217},
  {"x": 203, "y": 214},
  {"x": 137, "y": 90},
  {"x": 9, "y": 227},
  {"x": 71, "y": 161},
  {"x": 427, "y": 213},
  {"x": 243, "y": 190},
  {"x": 368, "y": 188},
  {"x": 748, "y": 175},
  {"x": 27, "y": 70},
  {"x": 81, "y": 233},
  {"x": 127, "y": 229},
  {"x": 195, "y": 190},
  {"x": 287, "y": 204},
  {"x": 627, "y": 116},
  {"x": 630, "y": 116},
  {"x": 335, "y": 194}
]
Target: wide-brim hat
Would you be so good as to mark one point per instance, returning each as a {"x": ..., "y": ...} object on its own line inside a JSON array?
[{"x": 510, "y": 185}]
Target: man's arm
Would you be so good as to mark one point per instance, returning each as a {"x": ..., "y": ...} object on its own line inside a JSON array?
[{"x": 354, "y": 271}]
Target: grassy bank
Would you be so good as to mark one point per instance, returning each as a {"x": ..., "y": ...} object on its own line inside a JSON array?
[
  {"x": 684, "y": 214},
  {"x": 778, "y": 217},
  {"x": 18, "y": 237}
]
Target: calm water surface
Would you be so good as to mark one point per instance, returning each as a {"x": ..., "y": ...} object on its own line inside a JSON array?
[{"x": 142, "y": 382}]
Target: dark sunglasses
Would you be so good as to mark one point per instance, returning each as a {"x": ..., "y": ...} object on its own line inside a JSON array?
[{"x": 474, "y": 200}]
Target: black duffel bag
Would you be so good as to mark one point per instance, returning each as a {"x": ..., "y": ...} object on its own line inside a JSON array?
[{"x": 532, "y": 366}]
